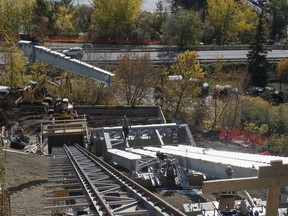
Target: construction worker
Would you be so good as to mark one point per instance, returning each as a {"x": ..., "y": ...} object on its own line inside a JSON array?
[
  {"x": 227, "y": 198},
  {"x": 170, "y": 173},
  {"x": 125, "y": 125}
]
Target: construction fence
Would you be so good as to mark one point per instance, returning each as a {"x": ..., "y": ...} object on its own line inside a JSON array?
[{"x": 243, "y": 137}]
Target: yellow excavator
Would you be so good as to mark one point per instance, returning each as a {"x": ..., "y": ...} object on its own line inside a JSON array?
[
  {"x": 37, "y": 93},
  {"x": 63, "y": 107}
]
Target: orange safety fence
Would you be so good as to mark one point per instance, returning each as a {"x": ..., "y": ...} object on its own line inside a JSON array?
[{"x": 244, "y": 137}]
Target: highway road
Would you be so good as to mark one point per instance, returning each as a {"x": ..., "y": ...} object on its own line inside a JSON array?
[
  {"x": 203, "y": 56},
  {"x": 160, "y": 53}
]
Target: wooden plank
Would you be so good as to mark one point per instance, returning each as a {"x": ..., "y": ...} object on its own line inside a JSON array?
[
  {"x": 217, "y": 186},
  {"x": 273, "y": 196},
  {"x": 274, "y": 170}
]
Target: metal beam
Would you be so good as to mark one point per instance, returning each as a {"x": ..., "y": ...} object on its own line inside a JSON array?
[{"x": 75, "y": 66}]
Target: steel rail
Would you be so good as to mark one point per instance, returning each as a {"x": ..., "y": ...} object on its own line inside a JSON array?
[{"x": 146, "y": 203}]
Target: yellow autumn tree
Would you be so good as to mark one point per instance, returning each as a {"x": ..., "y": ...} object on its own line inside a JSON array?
[
  {"x": 112, "y": 19},
  {"x": 15, "y": 18},
  {"x": 63, "y": 23},
  {"x": 182, "y": 83},
  {"x": 230, "y": 20}
]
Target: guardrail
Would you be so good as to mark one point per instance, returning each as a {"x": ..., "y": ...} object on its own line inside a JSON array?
[
  {"x": 170, "y": 61},
  {"x": 159, "y": 48}
]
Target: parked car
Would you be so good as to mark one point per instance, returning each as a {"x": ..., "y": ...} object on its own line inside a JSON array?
[
  {"x": 75, "y": 52},
  {"x": 86, "y": 46}
]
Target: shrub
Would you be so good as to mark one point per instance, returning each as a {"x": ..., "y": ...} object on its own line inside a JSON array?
[{"x": 278, "y": 144}]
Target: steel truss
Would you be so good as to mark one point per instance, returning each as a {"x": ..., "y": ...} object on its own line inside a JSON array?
[{"x": 97, "y": 188}]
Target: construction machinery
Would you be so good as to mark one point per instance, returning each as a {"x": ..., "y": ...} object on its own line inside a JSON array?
[
  {"x": 36, "y": 92},
  {"x": 57, "y": 130}
]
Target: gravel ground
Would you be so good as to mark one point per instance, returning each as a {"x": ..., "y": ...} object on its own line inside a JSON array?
[{"x": 25, "y": 179}]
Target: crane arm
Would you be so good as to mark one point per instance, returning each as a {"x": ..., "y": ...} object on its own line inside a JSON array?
[{"x": 46, "y": 55}]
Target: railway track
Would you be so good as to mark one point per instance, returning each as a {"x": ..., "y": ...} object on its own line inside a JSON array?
[{"x": 81, "y": 182}]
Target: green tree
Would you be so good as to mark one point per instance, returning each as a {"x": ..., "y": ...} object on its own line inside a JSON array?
[
  {"x": 230, "y": 20},
  {"x": 82, "y": 18},
  {"x": 135, "y": 79},
  {"x": 278, "y": 9},
  {"x": 113, "y": 19},
  {"x": 175, "y": 6},
  {"x": 182, "y": 30},
  {"x": 184, "y": 92},
  {"x": 161, "y": 16},
  {"x": 43, "y": 20},
  {"x": 257, "y": 56},
  {"x": 143, "y": 26},
  {"x": 282, "y": 71},
  {"x": 278, "y": 144},
  {"x": 255, "y": 114}
]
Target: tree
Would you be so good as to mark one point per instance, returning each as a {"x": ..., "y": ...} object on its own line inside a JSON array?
[
  {"x": 230, "y": 19},
  {"x": 42, "y": 20},
  {"x": 161, "y": 16},
  {"x": 257, "y": 60},
  {"x": 175, "y": 6},
  {"x": 82, "y": 18},
  {"x": 183, "y": 92},
  {"x": 14, "y": 16},
  {"x": 282, "y": 69},
  {"x": 278, "y": 9},
  {"x": 143, "y": 26},
  {"x": 135, "y": 78},
  {"x": 183, "y": 30},
  {"x": 68, "y": 4},
  {"x": 63, "y": 23},
  {"x": 89, "y": 91},
  {"x": 15, "y": 67},
  {"x": 113, "y": 19}
]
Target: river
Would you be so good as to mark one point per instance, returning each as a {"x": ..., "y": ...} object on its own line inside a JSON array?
[{"x": 147, "y": 5}]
